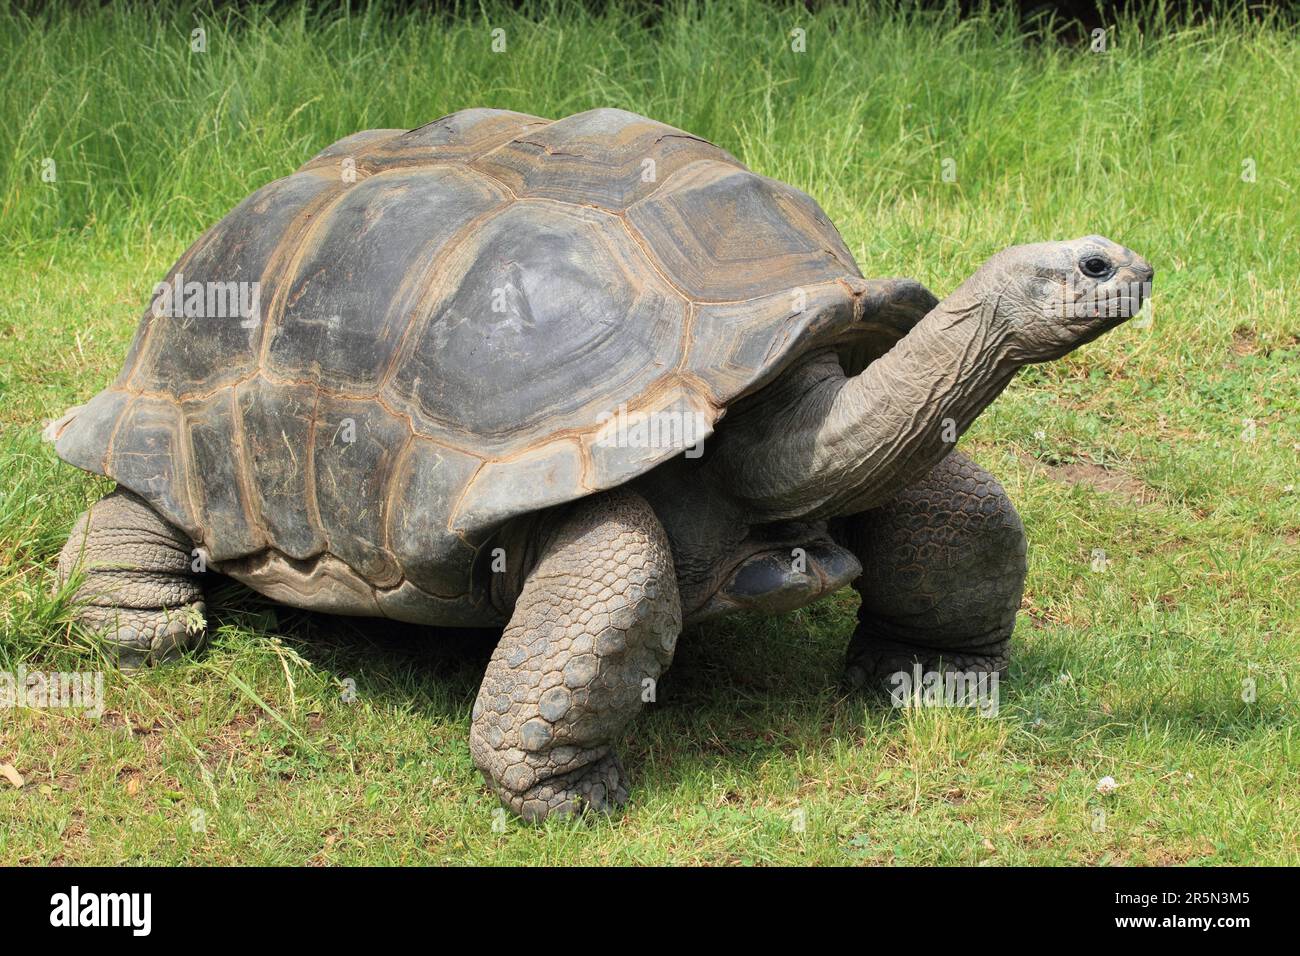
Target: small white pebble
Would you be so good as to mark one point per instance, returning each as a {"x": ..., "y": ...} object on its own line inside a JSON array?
[{"x": 1107, "y": 785}]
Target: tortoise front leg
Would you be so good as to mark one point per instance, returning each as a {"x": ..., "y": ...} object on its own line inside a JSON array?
[
  {"x": 943, "y": 571},
  {"x": 596, "y": 618}
]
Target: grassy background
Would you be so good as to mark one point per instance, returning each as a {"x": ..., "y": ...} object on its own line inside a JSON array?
[{"x": 1137, "y": 445}]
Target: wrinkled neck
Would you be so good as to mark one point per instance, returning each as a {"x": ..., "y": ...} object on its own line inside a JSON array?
[{"x": 832, "y": 445}]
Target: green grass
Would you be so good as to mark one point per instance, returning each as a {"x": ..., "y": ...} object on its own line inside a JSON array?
[{"x": 1134, "y": 446}]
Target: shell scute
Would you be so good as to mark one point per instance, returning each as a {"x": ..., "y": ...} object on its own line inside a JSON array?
[
  {"x": 364, "y": 268},
  {"x": 204, "y": 336},
  {"x": 541, "y": 297},
  {"x": 457, "y": 138},
  {"x": 725, "y": 234},
  {"x": 546, "y": 475},
  {"x": 349, "y": 147},
  {"x": 608, "y": 158},
  {"x": 427, "y": 483},
  {"x": 276, "y": 421},
  {"x": 149, "y": 456},
  {"x": 81, "y": 437},
  {"x": 213, "y": 428},
  {"x": 357, "y": 444}
]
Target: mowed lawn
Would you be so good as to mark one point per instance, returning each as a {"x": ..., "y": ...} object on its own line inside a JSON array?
[{"x": 1155, "y": 469}]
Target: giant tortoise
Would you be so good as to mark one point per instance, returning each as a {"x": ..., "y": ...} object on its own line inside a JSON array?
[{"x": 584, "y": 381}]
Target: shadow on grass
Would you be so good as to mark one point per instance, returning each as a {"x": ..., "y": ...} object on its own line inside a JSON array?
[
  {"x": 435, "y": 670},
  {"x": 740, "y": 691},
  {"x": 735, "y": 686}
]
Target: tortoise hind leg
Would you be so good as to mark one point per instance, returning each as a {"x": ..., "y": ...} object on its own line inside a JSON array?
[
  {"x": 138, "y": 591},
  {"x": 596, "y": 618},
  {"x": 943, "y": 573}
]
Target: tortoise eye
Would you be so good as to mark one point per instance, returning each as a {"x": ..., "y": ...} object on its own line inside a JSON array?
[{"x": 1094, "y": 267}]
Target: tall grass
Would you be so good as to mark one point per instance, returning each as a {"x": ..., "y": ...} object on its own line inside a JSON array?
[{"x": 147, "y": 134}]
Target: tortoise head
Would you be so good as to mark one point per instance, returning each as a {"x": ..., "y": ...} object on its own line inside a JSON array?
[{"x": 1051, "y": 297}]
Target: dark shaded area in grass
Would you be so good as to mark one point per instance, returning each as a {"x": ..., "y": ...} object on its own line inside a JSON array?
[{"x": 1086, "y": 13}]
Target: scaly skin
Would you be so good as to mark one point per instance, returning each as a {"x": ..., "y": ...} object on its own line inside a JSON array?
[
  {"x": 597, "y": 617},
  {"x": 138, "y": 591},
  {"x": 943, "y": 573}
]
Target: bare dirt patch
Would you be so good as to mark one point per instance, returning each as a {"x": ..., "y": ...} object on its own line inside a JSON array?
[
  {"x": 1244, "y": 340},
  {"x": 1111, "y": 481},
  {"x": 229, "y": 739}
]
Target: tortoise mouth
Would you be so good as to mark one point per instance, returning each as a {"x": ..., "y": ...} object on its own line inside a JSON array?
[
  {"x": 1104, "y": 305},
  {"x": 1126, "y": 300}
]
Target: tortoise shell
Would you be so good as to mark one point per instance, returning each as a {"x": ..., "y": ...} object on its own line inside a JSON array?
[{"x": 446, "y": 319}]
